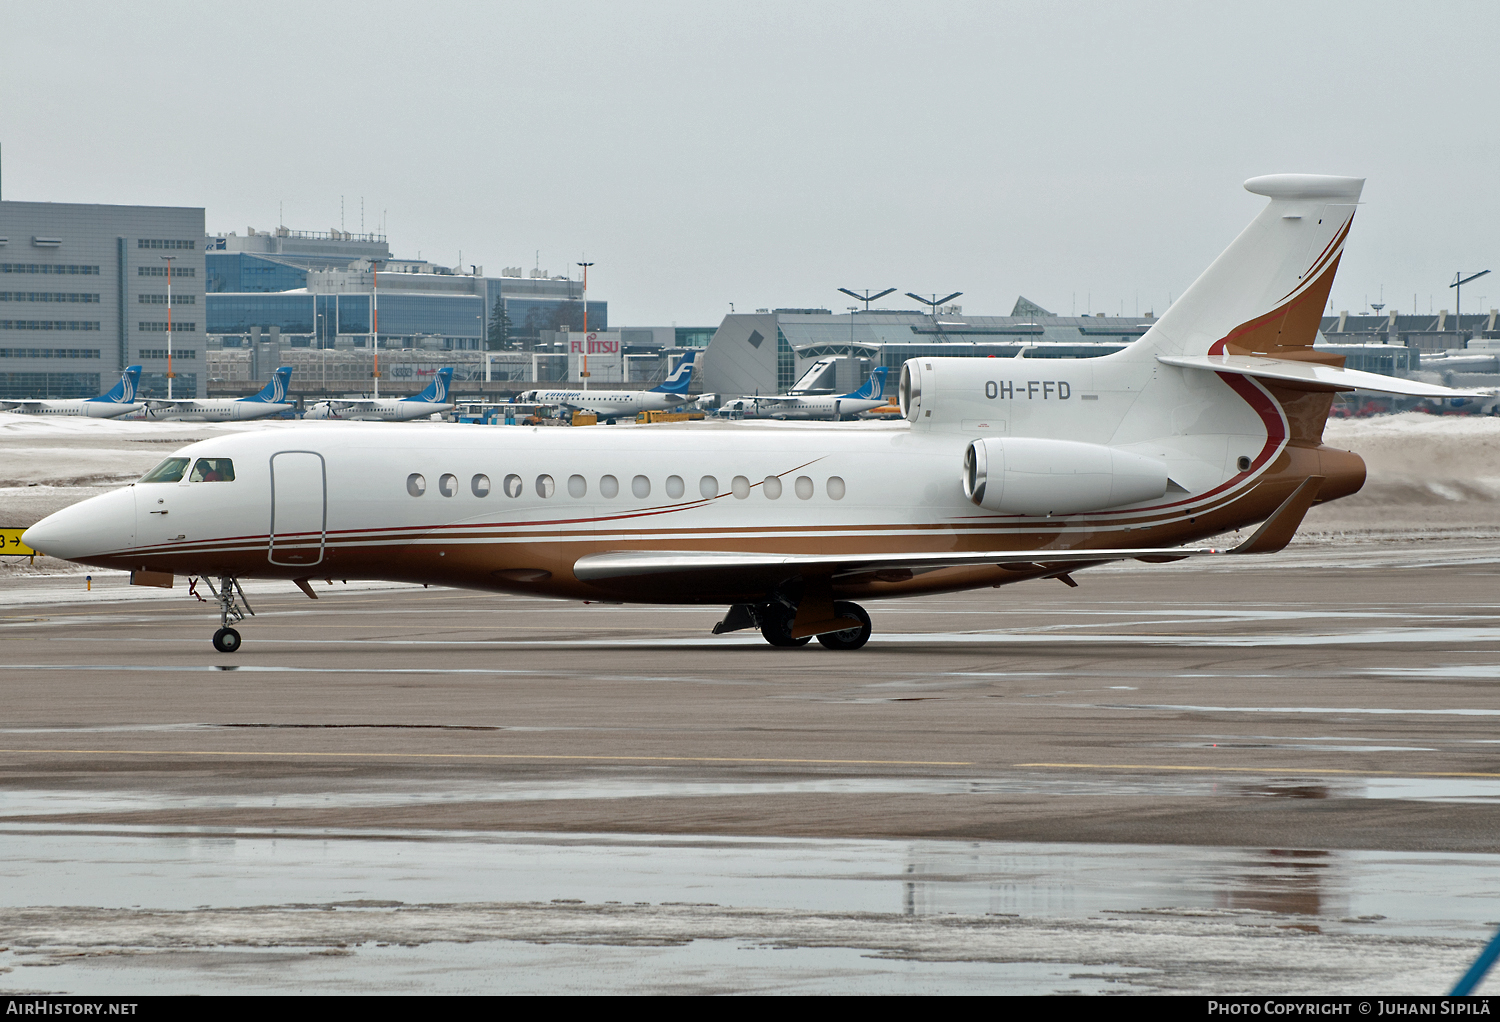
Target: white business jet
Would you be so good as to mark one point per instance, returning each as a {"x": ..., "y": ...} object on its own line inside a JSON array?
[
  {"x": 270, "y": 401},
  {"x": 671, "y": 393},
  {"x": 119, "y": 401},
  {"x": 811, "y": 406},
  {"x": 1006, "y": 470},
  {"x": 380, "y": 409}
]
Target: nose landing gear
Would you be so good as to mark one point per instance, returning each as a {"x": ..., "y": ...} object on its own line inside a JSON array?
[{"x": 230, "y": 598}]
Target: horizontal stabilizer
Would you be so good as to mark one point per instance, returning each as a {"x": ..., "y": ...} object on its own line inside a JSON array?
[{"x": 1312, "y": 376}]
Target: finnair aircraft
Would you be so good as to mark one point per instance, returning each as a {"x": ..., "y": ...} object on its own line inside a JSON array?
[
  {"x": 670, "y": 393},
  {"x": 819, "y": 406},
  {"x": 1008, "y": 471},
  {"x": 419, "y": 406},
  {"x": 270, "y": 401},
  {"x": 119, "y": 401}
]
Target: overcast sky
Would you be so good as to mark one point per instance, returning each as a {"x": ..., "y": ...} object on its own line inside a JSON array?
[{"x": 1088, "y": 156}]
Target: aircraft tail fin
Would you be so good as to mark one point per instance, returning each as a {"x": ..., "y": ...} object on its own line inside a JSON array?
[
  {"x": 436, "y": 391},
  {"x": 123, "y": 393},
  {"x": 678, "y": 381},
  {"x": 1264, "y": 295},
  {"x": 874, "y": 387},
  {"x": 275, "y": 391}
]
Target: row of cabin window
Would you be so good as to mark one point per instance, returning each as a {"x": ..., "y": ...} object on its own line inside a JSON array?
[{"x": 640, "y": 486}]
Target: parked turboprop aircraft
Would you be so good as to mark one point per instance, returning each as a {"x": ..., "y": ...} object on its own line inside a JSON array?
[
  {"x": 1008, "y": 470},
  {"x": 270, "y": 401},
  {"x": 820, "y": 406},
  {"x": 118, "y": 401},
  {"x": 670, "y": 393},
  {"x": 419, "y": 406}
]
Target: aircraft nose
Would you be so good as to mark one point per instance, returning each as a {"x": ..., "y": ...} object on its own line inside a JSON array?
[{"x": 100, "y": 525}]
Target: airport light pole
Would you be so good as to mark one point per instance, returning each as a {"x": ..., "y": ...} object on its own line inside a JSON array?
[
  {"x": 1459, "y": 280},
  {"x": 933, "y": 305},
  {"x": 867, "y": 298},
  {"x": 585, "y": 374},
  {"x": 170, "y": 374},
  {"x": 319, "y": 319}
]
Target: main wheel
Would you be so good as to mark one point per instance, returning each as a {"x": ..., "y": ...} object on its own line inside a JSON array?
[
  {"x": 849, "y": 638},
  {"x": 226, "y": 640},
  {"x": 777, "y": 628}
]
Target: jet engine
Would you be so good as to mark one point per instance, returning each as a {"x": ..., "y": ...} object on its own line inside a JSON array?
[{"x": 1034, "y": 476}]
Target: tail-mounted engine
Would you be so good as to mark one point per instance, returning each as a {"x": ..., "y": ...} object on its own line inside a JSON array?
[{"x": 1032, "y": 476}]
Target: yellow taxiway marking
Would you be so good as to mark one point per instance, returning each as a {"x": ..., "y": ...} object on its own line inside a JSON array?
[
  {"x": 494, "y": 755},
  {"x": 1259, "y": 770}
]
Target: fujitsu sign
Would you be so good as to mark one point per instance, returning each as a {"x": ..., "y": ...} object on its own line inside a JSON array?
[{"x": 595, "y": 344}]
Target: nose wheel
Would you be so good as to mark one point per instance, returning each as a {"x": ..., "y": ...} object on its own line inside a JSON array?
[{"x": 233, "y": 606}]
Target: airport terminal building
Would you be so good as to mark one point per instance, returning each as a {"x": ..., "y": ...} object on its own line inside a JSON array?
[{"x": 83, "y": 293}]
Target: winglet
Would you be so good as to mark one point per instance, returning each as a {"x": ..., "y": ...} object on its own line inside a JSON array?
[{"x": 1277, "y": 531}]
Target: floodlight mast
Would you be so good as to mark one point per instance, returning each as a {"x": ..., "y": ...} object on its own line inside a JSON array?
[
  {"x": 584, "y": 375},
  {"x": 1459, "y": 280},
  {"x": 867, "y": 298},
  {"x": 933, "y": 305}
]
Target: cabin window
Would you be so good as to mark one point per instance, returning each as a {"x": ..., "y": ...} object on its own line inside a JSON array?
[
  {"x": 416, "y": 485},
  {"x": 836, "y": 487},
  {"x": 480, "y": 485},
  {"x": 771, "y": 487},
  {"x": 675, "y": 487},
  {"x": 169, "y": 471},
  {"x": 213, "y": 470},
  {"x": 545, "y": 487},
  {"x": 512, "y": 485},
  {"x": 708, "y": 487},
  {"x": 641, "y": 487},
  {"x": 609, "y": 486},
  {"x": 447, "y": 484},
  {"x": 577, "y": 486},
  {"x": 740, "y": 487},
  {"x": 804, "y": 487}
]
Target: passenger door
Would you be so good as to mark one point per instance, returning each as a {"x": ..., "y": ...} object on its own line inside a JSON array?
[{"x": 299, "y": 508}]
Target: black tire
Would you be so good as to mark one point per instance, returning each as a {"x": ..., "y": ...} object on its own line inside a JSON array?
[
  {"x": 777, "y": 628},
  {"x": 849, "y": 638},
  {"x": 226, "y": 640}
]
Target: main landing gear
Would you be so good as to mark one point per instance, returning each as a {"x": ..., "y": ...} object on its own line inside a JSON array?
[
  {"x": 778, "y": 624},
  {"x": 230, "y": 598}
]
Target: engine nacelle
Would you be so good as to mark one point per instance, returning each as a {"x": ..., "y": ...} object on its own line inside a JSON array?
[{"x": 1033, "y": 476}]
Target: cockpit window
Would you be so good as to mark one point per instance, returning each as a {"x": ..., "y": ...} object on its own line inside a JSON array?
[
  {"x": 213, "y": 470},
  {"x": 169, "y": 471}
]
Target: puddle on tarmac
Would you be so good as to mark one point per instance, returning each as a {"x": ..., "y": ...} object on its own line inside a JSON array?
[
  {"x": 516, "y": 967},
  {"x": 18, "y": 804},
  {"x": 128, "y": 867}
]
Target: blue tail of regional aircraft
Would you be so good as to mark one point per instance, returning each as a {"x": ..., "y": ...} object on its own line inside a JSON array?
[
  {"x": 437, "y": 391},
  {"x": 874, "y": 388},
  {"x": 275, "y": 392},
  {"x": 124, "y": 391},
  {"x": 680, "y": 378}
]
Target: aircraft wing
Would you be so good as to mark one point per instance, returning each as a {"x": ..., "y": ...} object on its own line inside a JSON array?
[
  {"x": 1318, "y": 377},
  {"x": 682, "y": 568},
  {"x": 161, "y": 404},
  {"x": 774, "y": 399},
  {"x": 6, "y": 406}
]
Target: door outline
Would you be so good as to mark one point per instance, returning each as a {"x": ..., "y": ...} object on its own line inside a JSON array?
[{"x": 323, "y": 528}]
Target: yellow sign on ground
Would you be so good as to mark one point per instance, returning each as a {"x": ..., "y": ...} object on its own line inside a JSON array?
[{"x": 10, "y": 540}]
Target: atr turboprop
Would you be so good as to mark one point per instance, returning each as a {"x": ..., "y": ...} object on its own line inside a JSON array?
[
  {"x": 431, "y": 401},
  {"x": 669, "y": 394},
  {"x": 1005, "y": 471},
  {"x": 811, "y": 406},
  {"x": 270, "y": 401},
  {"x": 119, "y": 401}
]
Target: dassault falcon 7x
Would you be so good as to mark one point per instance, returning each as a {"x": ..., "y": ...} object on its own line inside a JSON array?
[
  {"x": 432, "y": 400},
  {"x": 670, "y": 393},
  {"x": 1005, "y": 470},
  {"x": 119, "y": 401}
]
